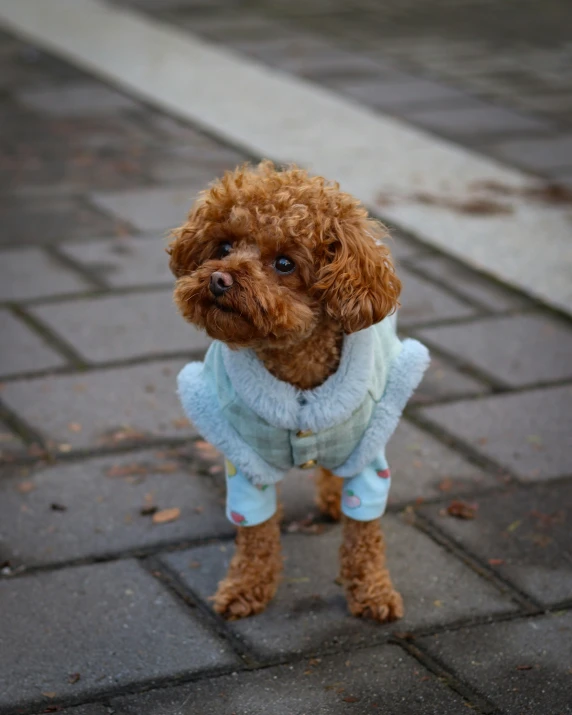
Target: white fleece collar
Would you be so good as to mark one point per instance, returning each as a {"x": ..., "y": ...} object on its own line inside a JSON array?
[{"x": 283, "y": 405}]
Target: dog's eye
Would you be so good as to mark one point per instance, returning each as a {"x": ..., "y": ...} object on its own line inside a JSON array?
[
  {"x": 224, "y": 249},
  {"x": 284, "y": 265}
]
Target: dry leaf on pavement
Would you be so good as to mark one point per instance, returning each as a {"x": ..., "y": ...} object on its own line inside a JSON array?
[
  {"x": 166, "y": 515},
  {"x": 462, "y": 510}
]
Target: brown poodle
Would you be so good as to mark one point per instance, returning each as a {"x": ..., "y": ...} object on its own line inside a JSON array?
[{"x": 287, "y": 265}]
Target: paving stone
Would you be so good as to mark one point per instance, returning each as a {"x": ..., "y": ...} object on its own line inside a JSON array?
[
  {"x": 423, "y": 468},
  {"x": 423, "y": 302},
  {"x": 74, "y": 100},
  {"x": 151, "y": 209},
  {"x": 123, "y": 261},
  {"x": 112, "y": 406},
  {"x": 476, "y": 120},
  {"x": 538, "y": 154},
  {"x": 10, "y": 443},
  {"x": 121, "y": 327},
  {"x": 32, "y": 273},
  {"x": 401, "y": 91},
  {"x": 526, "y": 533},
  {"x": 522, "y": 666},
  {"x": 563, "y": 176},
  {"x": 518, "y": 350},
  {"x": 309, "y": 611},
  {"x": 24, "y": 65},
  {"x": 102, "y": 501},
  {"x": 51, "y": 220},
  {"x": 527, "y": 433},
  {"x": 87, "y": 710},
  {"x": 441, "y": 381},
  {"x": 470, "y": 284},
  {"x": 22, "y": 350},
  {"x": 112, "y": 623},
  {"x": 384, "y": 678},
  {"x": 200, "y": 165}
]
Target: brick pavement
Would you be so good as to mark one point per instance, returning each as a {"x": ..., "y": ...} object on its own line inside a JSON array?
[
  {"x": 105, "y": 610},
  {"x": 492, "y": 76}
]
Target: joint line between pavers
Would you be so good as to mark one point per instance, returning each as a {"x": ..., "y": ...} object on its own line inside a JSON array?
[
  {"x": 435, "y": 666},
  {"x": 20, "y": 427},
  {"x": 68, "y": 262},
  {"x": 469, "y": 452},
  {"x": 58, "y": 343},
  {"x": 526, "y": 602},
  {"x": 171, "y": 580}
]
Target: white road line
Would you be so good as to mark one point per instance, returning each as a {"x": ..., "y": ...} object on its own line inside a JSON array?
[{"x": 287, "y": 119}]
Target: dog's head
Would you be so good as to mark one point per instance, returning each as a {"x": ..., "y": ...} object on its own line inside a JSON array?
[{"x": 265, "y": 255}]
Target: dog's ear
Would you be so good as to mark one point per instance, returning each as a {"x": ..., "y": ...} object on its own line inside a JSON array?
[
  {"x": 357, "y": 280},
  {"x": 183, "y": 249}
]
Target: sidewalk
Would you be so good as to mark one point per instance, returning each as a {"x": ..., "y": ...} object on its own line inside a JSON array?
[{"x": 103, "y": 592}]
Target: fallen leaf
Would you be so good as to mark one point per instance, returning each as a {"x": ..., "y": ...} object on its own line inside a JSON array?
[
  {"x": 74, "y": 427},
  {"x": 148, "y": 510},
  {"x": 181, "y": 423},
  {"x": 73, "y": 678},
  {"x": 166, "y": 515},
  {"x": 195, "y": 564},
  {"x": 438, "y": 604},
  {"x": 26, "y": 487},
  {"x": 350, "y": 699},
  {"x": 199, "y": 509},
  {"x": 65, "y": 447},
  {"x": 462, "y": 510},
  {"x": 446, "y": 485},
  {"x": 50, "y": 694},
  {"x": 496, "y": 562},
  {"x": 514, "y": 526},
  {"x": 524, "y": 667},
  {"x": 58, "y": 507}
]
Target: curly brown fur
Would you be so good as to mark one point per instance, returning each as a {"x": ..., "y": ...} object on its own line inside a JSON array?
[
  {"x": 343, "y": 281},
  {"x": 369, "y": 590},
  {"x": 329, "y": 493},
  {"x": 254, "y": 571}
]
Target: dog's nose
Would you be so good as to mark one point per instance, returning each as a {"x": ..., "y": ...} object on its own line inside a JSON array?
[{"x": 220, "y": 283}]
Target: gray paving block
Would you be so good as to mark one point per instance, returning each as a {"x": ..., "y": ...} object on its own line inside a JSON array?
[
  {"x": 123, "y": 261},
  {"x": 423, "y": 302},
  {"x": 60, "y": 218},
  {"x": 522, "y": 666},
  {"x": 22, "y": 349},
  {"x": 111, "y": 406},
  {"x": 470, "y": 284},
  {"x": 423, "y": 468},
  {"x": 102, "y": 501},
  {"x": 309, "y": 611},
  {"x": 112, "y": 624},
  {"x": 401, "y": 91},
  {"x": 151, "y": 209},
  {"x": 442, "y": 381},
  {"x": 31, "y": 273},
  {"x": 518, "y": 350},
  {"x": 468, "y": 121},
  {"x": 10, "y": 443},
  {"x": 75, "y": 100},
  {"x": 538, "y": 154},
  {"x": 121, "y": 327},
  {"x": 528, "y": 432},
  {"x": 526, "y": 534},
  {"x": 384, "y": 679},
  {"x": 87, "y": 710}
]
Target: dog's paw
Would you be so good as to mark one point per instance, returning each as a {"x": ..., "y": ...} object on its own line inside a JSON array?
[
  {"x": 380, "y": 605},
  {"x": 235, "y": 599}
]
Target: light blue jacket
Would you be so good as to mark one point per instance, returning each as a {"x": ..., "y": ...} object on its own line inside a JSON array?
[{"x": 266, "y": 426}]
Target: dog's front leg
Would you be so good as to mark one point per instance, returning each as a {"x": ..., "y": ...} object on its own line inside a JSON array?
[
  {"x": 369, "y": 590},
  {"x": 254, "y": 571}
]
